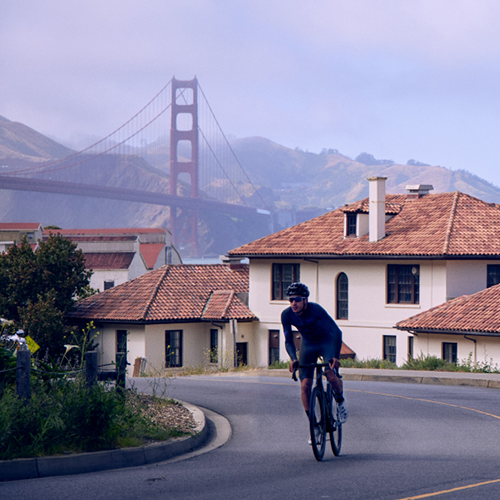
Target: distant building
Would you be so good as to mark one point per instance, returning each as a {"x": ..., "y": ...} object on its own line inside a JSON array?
[
  {"x": 13, "y": 232},
  {"x": 185, "y": 315},
  {"x": 121, "y": 254}
]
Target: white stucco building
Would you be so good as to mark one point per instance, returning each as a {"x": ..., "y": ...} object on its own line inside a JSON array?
[
  {"x": 177, "y": 315},
  {"x": 376, "y": 262}
]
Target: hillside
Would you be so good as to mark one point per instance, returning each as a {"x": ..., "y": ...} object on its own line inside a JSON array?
[
  {"x": 19, "y": 142},
  {"x": 303, "y": 180},
  {"x": 296, "y": 185}
]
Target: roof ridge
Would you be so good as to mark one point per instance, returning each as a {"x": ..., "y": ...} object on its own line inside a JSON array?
[
  {"x": 155, "y": 291},
  {"x": 228, "y": 303},
  {"x": 205, "y": 307},
  {"x": 451, "y": 220}
]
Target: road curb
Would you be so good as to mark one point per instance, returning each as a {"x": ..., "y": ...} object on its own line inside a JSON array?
[{"x": 80, "y": 463}]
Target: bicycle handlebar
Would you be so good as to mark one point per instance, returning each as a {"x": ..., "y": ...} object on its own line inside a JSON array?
[{"x": 315, "y": 365}]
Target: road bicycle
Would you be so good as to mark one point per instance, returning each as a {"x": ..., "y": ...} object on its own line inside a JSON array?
[{"x": 323, "y": 413}]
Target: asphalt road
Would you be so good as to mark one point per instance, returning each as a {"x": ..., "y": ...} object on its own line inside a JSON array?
[{"x": 401, "y": 441}]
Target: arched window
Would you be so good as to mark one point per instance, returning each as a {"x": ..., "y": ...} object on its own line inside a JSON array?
[{"x": 342, "y": 296}]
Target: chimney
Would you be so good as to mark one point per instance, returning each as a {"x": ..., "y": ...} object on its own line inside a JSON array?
[
  {"x": 376, "y": 208},
  {"x": 231, "y": 261},
  {"x": 418, "y": 190}
]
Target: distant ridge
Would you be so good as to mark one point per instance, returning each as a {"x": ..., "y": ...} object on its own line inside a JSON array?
[
  {"x": 297, "y": 184},
  {"x": 300, "y": 179},
  {"x": 19, "y": 142}
]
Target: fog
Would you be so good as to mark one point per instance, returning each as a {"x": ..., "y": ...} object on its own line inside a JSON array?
[{"x": 400, "y": 80}]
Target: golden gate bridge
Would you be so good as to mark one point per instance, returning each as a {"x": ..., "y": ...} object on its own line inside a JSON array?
[{"x": 177, "y": 137}]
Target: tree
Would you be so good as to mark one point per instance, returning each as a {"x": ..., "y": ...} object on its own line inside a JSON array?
[{"x": 38, "y": 288}]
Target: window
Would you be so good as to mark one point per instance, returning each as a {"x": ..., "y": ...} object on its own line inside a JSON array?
[
  {"x": 351, "y": 225},
  {"x": 450, "y": 352},
  {"x": 274, "y": 346},
  {"x": 493, "y": 275},
  {"x": 403, "y": 284},
  {"x": 390, "y": 348},
  {"x": 168, "y": 255},
  {"x": 109, "y": 284},
  {"x": 173, "y": 348},
  {"x": 214, "y": 345},
  {"x": 283, "y": 276},
  {"x": 342, "y": 296},
  {"x": 410, "y": 347}
]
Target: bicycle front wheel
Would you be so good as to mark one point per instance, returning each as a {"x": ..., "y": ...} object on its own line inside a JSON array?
[
  {"x": 335, "y": 427},
  {"x": 317, "y": 423}
]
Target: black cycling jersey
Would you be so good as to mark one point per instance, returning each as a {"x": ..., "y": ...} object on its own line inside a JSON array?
[{"x": 315, "y": 326}]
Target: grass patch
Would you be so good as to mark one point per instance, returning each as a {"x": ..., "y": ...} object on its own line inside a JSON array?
[
  {"x": 194, "y": 370},
  {"x": 67, "y": 417},
  {"x": 279, "y": 365},
  {"x": 369, "y": 363}
]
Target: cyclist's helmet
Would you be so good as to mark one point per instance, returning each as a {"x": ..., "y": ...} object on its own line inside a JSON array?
[{"x": 297, "y": 289}]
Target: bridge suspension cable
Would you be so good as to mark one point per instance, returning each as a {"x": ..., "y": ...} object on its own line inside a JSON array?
[{"x": 143, "y": 142}]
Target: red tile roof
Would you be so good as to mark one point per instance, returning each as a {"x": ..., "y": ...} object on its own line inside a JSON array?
[
  {"x": 13, "y": 226},
  {"x": 470, "y": 313},
  {"x": 172, "y": 293},
  {"x": 435, "y": 225},
  {"x": 125, "y": 230},
  {"x": 111, "y": 260},
  {"x": 346, "y": 352},
  {"x": 150, "y": 253},
  {"x": 93, "y": 239}
]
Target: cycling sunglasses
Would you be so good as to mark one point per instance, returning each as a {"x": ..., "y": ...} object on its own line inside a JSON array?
[{"x": 295, "y": 299}]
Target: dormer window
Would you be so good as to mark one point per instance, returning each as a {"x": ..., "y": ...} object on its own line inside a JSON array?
[{"x": 351, "y": 225}]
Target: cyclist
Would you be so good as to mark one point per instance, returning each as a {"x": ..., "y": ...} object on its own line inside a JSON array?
[{"x": 320, "y": 337}]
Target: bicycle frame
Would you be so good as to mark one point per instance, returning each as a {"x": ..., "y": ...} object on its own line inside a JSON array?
[{"x": 322, "y": 413}]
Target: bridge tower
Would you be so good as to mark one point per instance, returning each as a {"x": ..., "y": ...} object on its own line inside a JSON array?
[{"x": 184, "y": 160}]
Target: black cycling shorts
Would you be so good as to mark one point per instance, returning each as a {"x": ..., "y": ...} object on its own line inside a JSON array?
[{"x": 311, "y": 351}]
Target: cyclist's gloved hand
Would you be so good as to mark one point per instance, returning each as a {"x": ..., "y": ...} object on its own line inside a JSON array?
[
  {"x": 334, "y": 364},
  {"x": 293, "y": 366}
]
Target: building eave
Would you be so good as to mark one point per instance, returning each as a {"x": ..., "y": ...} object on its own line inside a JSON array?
[
  {"x": 368, "y": 257},
  {"x": 435, "y": 331}
]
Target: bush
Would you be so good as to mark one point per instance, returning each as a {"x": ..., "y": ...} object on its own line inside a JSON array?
[
  {"x": 66, "y": 416},
  {"x": 428, "y": 363}
]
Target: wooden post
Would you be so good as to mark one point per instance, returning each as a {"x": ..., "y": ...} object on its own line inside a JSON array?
[
  {"x": 91, "y": 368},
  {"x": 121, "y": 367},
  {"x": 23, "y": 375},
  {"x": 137, "y": 367}
]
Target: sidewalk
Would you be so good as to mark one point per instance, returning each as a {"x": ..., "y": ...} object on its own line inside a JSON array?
[{"x": 490, "y": 380}]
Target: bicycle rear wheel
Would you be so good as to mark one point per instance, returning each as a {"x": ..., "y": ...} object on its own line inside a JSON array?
[
  {"x": 334, "y": 427},
  {"x": 317, "y": 423}
]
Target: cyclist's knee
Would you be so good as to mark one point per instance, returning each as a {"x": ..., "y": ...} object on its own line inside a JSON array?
[{"x": 306, "y": 384}]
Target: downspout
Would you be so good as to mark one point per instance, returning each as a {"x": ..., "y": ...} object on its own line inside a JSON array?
[
  {"x": 233, "y": 330},
  {"x": 475, "y": 347},
  {"x": 317, "y": 282}
]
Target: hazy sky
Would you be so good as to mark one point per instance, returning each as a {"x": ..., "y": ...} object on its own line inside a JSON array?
[{"x": 399, "y": 79}]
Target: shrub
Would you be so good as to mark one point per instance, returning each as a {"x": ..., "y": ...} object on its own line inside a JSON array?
[
  {"x": 428, "y": 363},
  {"x": 66, "y": 416}
]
